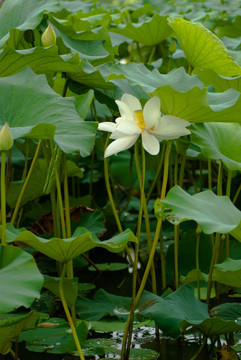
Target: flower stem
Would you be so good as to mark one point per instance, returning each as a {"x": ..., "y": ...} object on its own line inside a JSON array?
[
  {"x": 70, "y": 270},
  {"x": 228, "y": 191},
  {"x": 152, "y": 53},
  {"x": 3, "y": 197},
  {"x": 108, "y": 188},
  {"x": 141, "y": 178},
  {"x": 154, "y": 245},
  {"x": 67, "y": 313},
  {"x": 217, "y": 240},
  {"x": 59, "y": 196},
  {"x": 18, "y": 204},
  {"x": 197, "y": 261},
  {"x": 111, "y": 200},
  {"x": 157, "y": 173}
]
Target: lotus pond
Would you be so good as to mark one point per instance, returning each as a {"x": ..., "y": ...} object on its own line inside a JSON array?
[{"x": 120, "y": 144}]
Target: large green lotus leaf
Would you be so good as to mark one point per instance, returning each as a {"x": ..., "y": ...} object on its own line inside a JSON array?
[
  {"x": 169, "y": 312},
  {"x": 221, "y": 83},
  {"x": 64, "y": 250},
  {"x": 92, "y": 50},
  {"x": 150, "y": 32},
  {"x": 149, "y": 80},
  {"x": 23, "y": 15},
  {"x": 20, "y": 279},
  {"x": 203, "y": 49},
  {"x": 91, "y": 76},
  {"x": 198, "y": 105},
  {"x": 103, "y": 304},
  {"x": 228, "y": 272},
  {"x": 213, "y": 213},
  {"x": 236, "y": 233},
  {"x": 34, "y": 110},
  {"x": 57, "y": 339},
  {"x": 11, "y": 326},
  {"x": 36, "y": 182},
  {"x": 219, "y": 141},
  {"x": 212, "y": 326},
  {"x": 181, "y": 310},
  {"x": 41, "y": 60},
  {"x": 230, "y": 29},
  {"x": 227, "y": 311},
  {"x": 83, "y": 103}
]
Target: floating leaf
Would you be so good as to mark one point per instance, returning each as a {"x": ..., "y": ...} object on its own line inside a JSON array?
[
  {"x": 64, "y": 250},
  {"x": 203, "y": 49},
  {"x": 213, "y": 213},
  {"x": 103, "y": 304},
  {"x": 56, "y": 340},
  {"x": 109, "y": 267},
  {"x": 20, "y": 279},
  {"x": 11, "y": 326},
  {"x": 214, "y": 140},
  {"x": 34, "y": 110}
]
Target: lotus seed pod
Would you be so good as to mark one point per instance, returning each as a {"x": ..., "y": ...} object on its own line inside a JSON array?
[
  {"x": 48, "y": 37},
  {"x": 6, "y": 139}
]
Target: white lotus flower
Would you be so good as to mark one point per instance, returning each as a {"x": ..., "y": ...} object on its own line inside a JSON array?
[{"x": 147, "y": 122}]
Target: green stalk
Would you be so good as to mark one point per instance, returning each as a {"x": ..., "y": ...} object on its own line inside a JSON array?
[
  {"x": 67, "y": 313},
  {"x": 163, "y": 262},
  {"x": 18, "y": 204},
  {"x": 111, "y": 200},
  {"x": 237, "y": 194},
  {"x": 70, "y": 270},
  {"x": 157, "y": 173},
  {"x": 210, "y": 174},
  {"x": 228, "y": 191},
  {"x": 141, "y": 177},
  {"x": 200, "y": 349},
  {"x": 176, "y": 246},
  {"x": 217, "y": 240},
  {"x": 197, "y": 261},
  {"x": 108, "y": 188},
  {"x": 152, "y": 53},
  {"x": 154, "y": 245},
  {"x": 59, "y": 196},
  {"x": 176, "y": 227},
  {"x": 3, "y": 197}
]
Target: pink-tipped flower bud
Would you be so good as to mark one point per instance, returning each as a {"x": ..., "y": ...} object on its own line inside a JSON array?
[
  {"x": 6, "y": 139},
  {"x": 48, "y": 37}
]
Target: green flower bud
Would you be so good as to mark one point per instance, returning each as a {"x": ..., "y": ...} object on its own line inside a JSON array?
[
  {"x": 6, "y": 139},
  {"x": 48, "y": 37},
  {"x": 173, "y": 46}
]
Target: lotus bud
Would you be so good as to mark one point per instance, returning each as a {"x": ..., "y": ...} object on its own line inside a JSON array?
[
  {"x": 48, "y": 37},
  {"x": 6, "y": 139},
  {"x": 173, "y": 46}
]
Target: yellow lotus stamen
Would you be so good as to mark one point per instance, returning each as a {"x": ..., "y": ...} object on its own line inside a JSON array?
[{"x": 140, "y": 119}]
